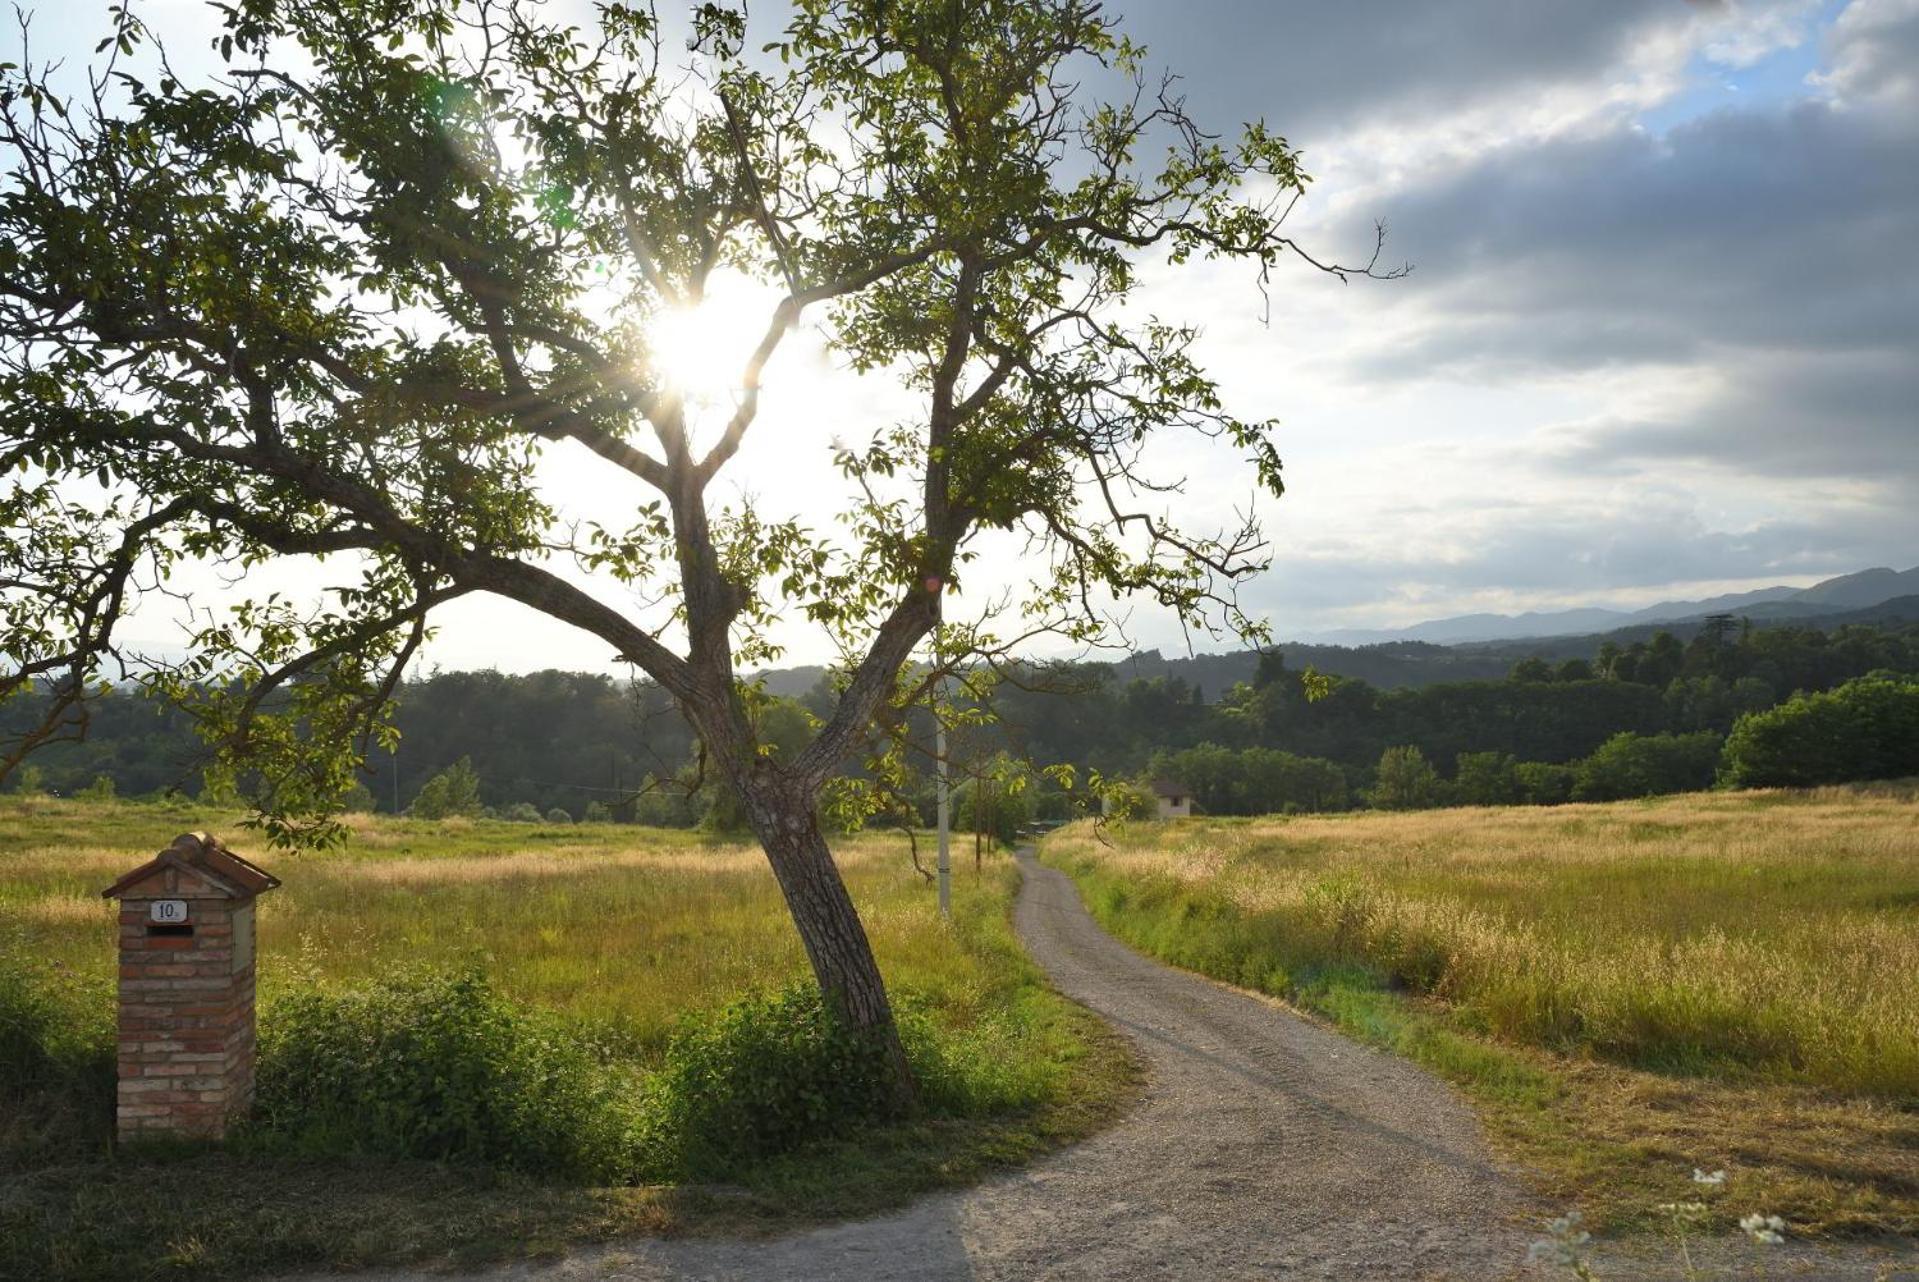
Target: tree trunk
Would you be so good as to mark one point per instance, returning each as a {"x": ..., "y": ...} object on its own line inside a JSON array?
[{"x": 787, "y": 824}]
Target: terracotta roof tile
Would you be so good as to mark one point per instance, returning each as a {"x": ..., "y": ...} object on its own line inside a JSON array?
[{"x": 202, "y": 855}]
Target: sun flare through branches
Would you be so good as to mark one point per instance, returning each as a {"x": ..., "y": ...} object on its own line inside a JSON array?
[{"x": 703, "y": 351}]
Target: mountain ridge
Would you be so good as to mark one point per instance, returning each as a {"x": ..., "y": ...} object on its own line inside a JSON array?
[{"x": 1862, "y": 589}]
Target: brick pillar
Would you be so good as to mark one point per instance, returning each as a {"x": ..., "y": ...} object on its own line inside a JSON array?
[{"x": 186, "y": 990}]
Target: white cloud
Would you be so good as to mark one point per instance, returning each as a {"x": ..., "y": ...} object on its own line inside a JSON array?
[{"x": 1873, "y": 54}]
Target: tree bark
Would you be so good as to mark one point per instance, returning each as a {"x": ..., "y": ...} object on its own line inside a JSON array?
[{"x": 786, "y": 820}]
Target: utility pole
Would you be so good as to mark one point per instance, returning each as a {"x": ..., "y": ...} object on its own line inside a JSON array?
[{"x": 945, "y": 807}]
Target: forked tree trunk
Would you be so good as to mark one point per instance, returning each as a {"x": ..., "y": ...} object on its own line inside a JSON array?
[{"x": 787, "y": 824}]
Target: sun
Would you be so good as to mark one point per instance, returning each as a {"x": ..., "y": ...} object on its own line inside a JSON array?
[{"x": 702, "y": 351}]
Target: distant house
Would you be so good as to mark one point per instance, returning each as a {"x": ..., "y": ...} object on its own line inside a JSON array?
[
  {"x": 1171, "y": 800},
  {"x": 1175, "y": 802}
]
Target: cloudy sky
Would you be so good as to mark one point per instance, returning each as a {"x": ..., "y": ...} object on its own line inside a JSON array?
[
  {"x": 1663, "y": 332},
  {"x": 1661, "y": 339}
]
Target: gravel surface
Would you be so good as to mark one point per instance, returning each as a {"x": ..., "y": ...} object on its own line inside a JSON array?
[{"x": 1265, "y": 1147}]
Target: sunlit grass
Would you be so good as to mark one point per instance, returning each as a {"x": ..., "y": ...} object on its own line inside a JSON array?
[{"x": 626, "y": 927}]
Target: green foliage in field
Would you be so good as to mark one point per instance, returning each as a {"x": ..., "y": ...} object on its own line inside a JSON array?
[
  {"x": 997, "y": 801},
  {"x": 101, "y": 789},
  {"x": 1486, "y": 779},
  {"x": 1254, "y": 781},
  {"x": 623, "y": 929},
  {"x": 453, "y": 792},
  {"x": 1866, "y": 729},
  {"x": 1541, "y": 783},
  {"x": 439, "y": 1066},
  {"x": 56, "y": 1060},
  {"x": 1647, "y": 765},
  {"x": 1405, "y": 780},
  {"x": 761, "y": 1076}
]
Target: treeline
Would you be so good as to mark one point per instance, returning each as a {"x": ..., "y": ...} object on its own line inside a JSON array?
[
  {"x": 549, "y": 740},
  {"x": 1867, "y": 728},
  {"x": 1260, "y": 781},
  {"x": 1552, "y": 713},
  {"x": 1658, "y": 715}
]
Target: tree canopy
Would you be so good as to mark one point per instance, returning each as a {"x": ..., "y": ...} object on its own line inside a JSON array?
[
  {"x": 342, "y": 298},
  {"x": 337, "y": 300}
]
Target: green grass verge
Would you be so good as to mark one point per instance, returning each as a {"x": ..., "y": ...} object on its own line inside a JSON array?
[{"x": 196, "y": 1213}]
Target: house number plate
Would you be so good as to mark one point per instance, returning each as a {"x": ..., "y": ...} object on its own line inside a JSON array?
[{"x": 168, "y": 910}]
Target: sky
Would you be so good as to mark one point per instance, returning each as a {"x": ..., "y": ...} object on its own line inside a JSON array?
[{"x": 1661, "y": 336}]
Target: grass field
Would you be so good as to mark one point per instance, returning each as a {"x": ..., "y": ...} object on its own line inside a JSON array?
[
  {"x": 1629, "y": 991},
  {"x": 626, "y": 932}
]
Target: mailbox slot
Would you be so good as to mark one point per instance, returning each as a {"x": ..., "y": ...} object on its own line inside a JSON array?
[{"x": 170, "y": 930}]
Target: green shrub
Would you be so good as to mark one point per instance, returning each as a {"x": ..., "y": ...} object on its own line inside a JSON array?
[
  {"x": 764, "y": 1075},
  {"x": 1647, "y": 765},
  {"x": 438, "y": 1066},
  {"x": 985, "y": 1069},
  {"x": 522, "y": 812},
  {"x": 666, "y": 803},
  {"x": 997, "y": 807},
  {"x": 56, "y": 1059},
  {"x": 1543, "y": 783},
  {"x": 559, "y": 815},
  {"x": 1485, "y": 779},
  {"x": 1405, "y": 780},
  {"x": 454, "y": 791},
  {"x": 1865, "y": 729}
]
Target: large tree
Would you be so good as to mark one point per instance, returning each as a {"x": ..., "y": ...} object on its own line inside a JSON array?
[{"x": 337, "y": 297}]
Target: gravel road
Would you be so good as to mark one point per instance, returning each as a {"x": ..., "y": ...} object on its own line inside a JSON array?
[{"x": 1265, "y": 1147}]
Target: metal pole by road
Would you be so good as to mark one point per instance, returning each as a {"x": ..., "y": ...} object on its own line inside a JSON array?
[{"x": 945, "y": 812}]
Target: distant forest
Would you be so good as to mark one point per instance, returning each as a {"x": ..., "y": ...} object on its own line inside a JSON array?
[{"x": 1239, "y": 728}]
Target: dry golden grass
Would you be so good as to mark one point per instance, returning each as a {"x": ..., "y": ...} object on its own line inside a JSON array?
[
  {"x": 1773, "y": 933},
  {"x": 1629, "y": 990},
  {"x": 624, "y": 926}
]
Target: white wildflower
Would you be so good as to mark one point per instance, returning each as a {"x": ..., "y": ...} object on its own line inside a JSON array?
[
  {"x": 1685, "y": 1210},
  {"x": 1547, "y": 1251},
  {"x": 1769, "y": 1229},
  {"x": 1562, "y": 1247},
  {"x": 1711, "y": 1181}
]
